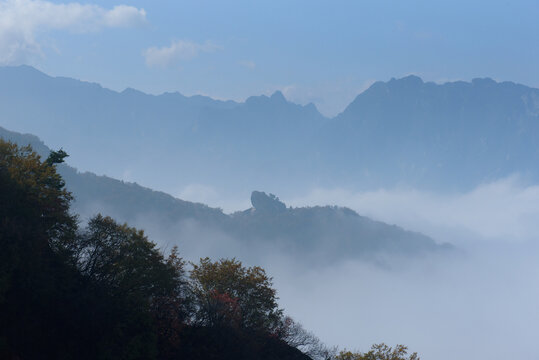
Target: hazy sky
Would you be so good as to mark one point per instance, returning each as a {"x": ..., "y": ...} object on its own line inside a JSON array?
[{"x": 314, "y": 51}]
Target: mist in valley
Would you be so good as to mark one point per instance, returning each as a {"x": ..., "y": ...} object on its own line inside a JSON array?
[
  {"x": 378, "y": 159},
  {"x": 476, "y": 301},
  {"x": 480, "y": 302}
]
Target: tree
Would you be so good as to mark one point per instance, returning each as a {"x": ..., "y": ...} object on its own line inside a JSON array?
[
  {"x": 295, "y": 335},
  {"x": 67, "y": 294},
  {"x": 37, "y": 287},
  {"x": 380, "y": 352},
  {"x": 228, "y": 294},
  {"x": 33, "y": 195},
  {"x": 144, "y": 291},
  {"x": 171, "y": 310},
  {"x": 123, "y": 260}
]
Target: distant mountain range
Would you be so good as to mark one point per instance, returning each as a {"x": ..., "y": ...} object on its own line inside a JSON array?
[
  {"x": 456, "y": 135},
  {"x": 328, "y": 232},
  {"x": 452, "y": 136}
]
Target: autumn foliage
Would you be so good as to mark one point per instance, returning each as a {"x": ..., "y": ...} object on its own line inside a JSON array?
[{"x": 228, "y": 294}]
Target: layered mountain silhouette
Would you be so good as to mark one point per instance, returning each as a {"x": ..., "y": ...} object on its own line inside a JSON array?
[
  {"x": 332, "y": 232},
  {"x": 184, "y": 139},
  {"x": 452, "y": 136}
]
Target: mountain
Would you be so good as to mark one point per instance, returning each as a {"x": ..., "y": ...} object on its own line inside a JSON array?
[
  {"x": 454, "y": 135},
  {"x": 124, "y": 200},
  {"x": 184, "y": 139},
  {"x": 450, "y": 137},
  {"x": 329, "y": 232}
]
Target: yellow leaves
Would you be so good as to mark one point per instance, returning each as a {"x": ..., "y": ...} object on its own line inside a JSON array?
[
  {"x": 39, "y": 191},
  {"x": 25, "y": 167}
]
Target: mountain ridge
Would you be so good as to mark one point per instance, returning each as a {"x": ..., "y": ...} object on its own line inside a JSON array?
[
  {"x": 335, "y": 232},
  {"x": 451, "y": 136}
]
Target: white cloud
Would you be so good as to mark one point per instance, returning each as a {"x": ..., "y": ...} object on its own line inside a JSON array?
[
  {"x": 179, "y": 50},
  {"x": 22, "y": 21},
  {"x": 504, "y": 210},
  {"x": 124, "y": 16}
]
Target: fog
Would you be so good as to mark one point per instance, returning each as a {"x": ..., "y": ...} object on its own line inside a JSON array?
[
  {"x": 475, "y": 303},
  {"x": 501, "y": 211},
  {"x": 481, "y": 306},
  {"x": 480, "y": 302}
]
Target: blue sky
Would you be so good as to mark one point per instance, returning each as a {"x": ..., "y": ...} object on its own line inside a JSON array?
[{"x": 324, "y": 52}]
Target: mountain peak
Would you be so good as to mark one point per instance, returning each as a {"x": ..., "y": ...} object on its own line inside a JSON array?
[
  {"x": 278, "y": 96},
  {"x": 410, "y": 80},
  {"x": 266, "y": 203}
]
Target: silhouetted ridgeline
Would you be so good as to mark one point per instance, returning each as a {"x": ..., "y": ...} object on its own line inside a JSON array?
[
  {"x": 333, "y": 232},
  {"x": 450, "y": 136}
]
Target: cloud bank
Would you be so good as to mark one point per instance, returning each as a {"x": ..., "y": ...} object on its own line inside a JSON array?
[
  {"x": 23, "y": 21},
  {"x": 481, "y": 306},
  {"x": 177, "y": 52},
  {"x": 502, "y": 211}
]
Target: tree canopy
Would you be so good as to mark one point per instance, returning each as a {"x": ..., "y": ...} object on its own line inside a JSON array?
[{"x": 227, "y": 293}]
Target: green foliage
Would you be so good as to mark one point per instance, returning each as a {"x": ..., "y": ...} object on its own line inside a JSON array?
[
  {"x": 379, "y": 352},
  {"x": 145, "y": 290},
  {"x": 228, "y": 294},
  {"x": 32, "y": 190},
  {"x": 34, "y": 211},
  {"x": 56, "y": 157},
  {"x": 123, "y": 260}
]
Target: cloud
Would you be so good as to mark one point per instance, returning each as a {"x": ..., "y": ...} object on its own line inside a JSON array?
[
  {"x": 443, "y": 308},
  {"x": 501, "y": 211},
  {"x": 124, "y": 16},
  {"x": 178, "y": 51},
  {"x": 22, "y": 21}
]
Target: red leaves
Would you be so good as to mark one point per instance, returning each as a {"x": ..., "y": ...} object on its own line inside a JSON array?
[{"x": 225, "y": 309}]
